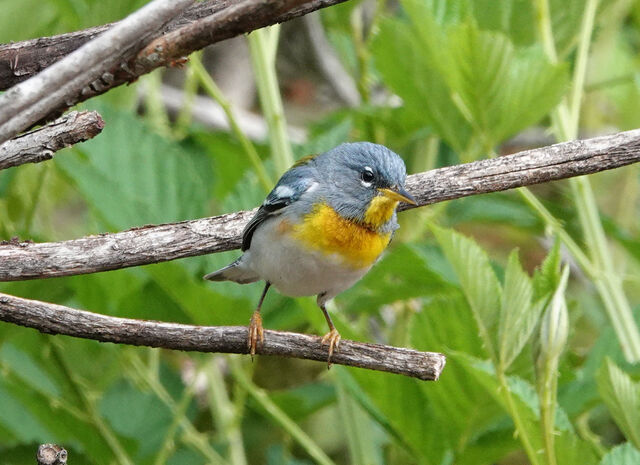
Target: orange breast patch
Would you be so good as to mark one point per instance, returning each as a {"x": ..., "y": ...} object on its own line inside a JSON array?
[{"x": 324, "y": 230}]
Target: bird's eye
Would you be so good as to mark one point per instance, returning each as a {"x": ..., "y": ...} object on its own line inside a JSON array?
[{"x": 367, "y": 175}]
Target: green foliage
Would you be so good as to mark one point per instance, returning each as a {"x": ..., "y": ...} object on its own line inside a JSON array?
[
  {"x": 622, "y": 397},
  {"x": 476, "y": 87},
  {"x": 469, "y": 75},
  {"x": 625, "y": 454}
]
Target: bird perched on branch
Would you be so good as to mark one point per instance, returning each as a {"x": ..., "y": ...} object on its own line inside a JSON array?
[{"x": 322, "y": 227}]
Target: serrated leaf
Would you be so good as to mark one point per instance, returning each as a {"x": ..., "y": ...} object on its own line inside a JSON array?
[
  {"x": 131, "y": 176},
  {"x": 427, "y": 99},
  {"x": 624, "y": 454},
  {"x": 473, "y": 86},
  {"x": 478, "y": 281},
  {"x": 547, "y": 276},
  {"x": 519, "y": 315},
  {"x": 525, "y": 405},
  {"x": 622, "y": 397}
]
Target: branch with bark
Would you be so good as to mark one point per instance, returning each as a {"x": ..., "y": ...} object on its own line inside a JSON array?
[
  {"x": 42, "y": 143},
  {"x": 154, "y": 244},
  {"x": 57, "y": 319},
  {"x": 116, "y": 54},
  {"x": 57, "y": 87}
]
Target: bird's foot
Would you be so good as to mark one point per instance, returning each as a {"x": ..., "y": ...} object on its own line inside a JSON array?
[
  {"x": 333, "y": 339},
  {"x": 256, "y": 333}
]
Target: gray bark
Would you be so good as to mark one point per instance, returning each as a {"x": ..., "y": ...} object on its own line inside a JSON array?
[
  {"x": 125, "y": 61},
  {"x": 153, "y": 244},
  {"x": 42, "y": 143},
  {"x": 57, "y": 319},
  {"x": 26, "y": 103}
]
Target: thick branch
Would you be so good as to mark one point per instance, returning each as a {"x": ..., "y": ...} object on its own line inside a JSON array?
[
  {"x": 153, "y": 244},
  {"x": 57, "y": 319},
  {"x": 26, "y": 103},
  {"x": 201, "y": 25},
  {"x": 40, "y": 144}
]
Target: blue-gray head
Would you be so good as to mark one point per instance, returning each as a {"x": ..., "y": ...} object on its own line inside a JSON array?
[{"x": 364, "y": 182}]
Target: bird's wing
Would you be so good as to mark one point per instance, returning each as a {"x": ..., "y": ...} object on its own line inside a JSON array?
[{"x": 290, "y": 187}]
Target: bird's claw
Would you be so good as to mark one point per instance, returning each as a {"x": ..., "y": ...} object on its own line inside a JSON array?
[
  {"x": 333, "y": 339},
  {"x": 256, "y": 333}
]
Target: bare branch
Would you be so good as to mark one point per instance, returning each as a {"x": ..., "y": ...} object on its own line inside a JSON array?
[
  {"x": 41, "y": 144},
  {"x": 154, "y": 244},
  {"x": 201, "y": 25},
  {"x": 57, "y": 319},
  {"x": 26, "y": 103}
]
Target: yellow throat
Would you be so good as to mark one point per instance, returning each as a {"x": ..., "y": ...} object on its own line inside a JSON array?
[{"x": 359, "y": 245}]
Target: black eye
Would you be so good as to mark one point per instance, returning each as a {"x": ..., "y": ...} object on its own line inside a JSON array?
[{"x": 367, "y": 175}]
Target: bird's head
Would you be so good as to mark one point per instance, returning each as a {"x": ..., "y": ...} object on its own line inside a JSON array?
[{"x": 366, "y": 182}]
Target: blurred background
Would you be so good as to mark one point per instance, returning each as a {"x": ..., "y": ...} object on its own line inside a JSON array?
[{"x": 440, "y": 83}]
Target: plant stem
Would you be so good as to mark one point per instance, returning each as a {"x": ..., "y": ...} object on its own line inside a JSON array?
[
  {"x": 89, "y": 404},
  {"x": 227, "y": 423},
  {"x": 156, "y": 111},
  {"x": 357, "y": 425},
  {"x": 556, "y": 227},
  {"x": 190, "y": 89},
  {"x": 31, "y": 213},
  {"x": 566, "y": 123},
  {"x": 263, "y": 45},
  {"x": 215, "y": 93},
  {"x": 278, "y": 416},
  {"x": 191, "y": 435},
  {"x": 168, "y": 444},
  {"x": 532, "y": 453}
]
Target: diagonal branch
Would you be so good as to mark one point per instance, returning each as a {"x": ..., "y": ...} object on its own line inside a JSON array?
[
  {"x": 201, "y": 25},
  {"x": 57, "y": 319},
  {"x": 40, "y": 144},
  {"x": 54, "y": 88},
  {"x": 154, "y": 244}
]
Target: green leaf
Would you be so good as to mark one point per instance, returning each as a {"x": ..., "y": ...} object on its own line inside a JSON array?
[
  {"x": 518, "y": 316},
  {"x": 446, "y": 324},
  {"x": 622, "y": 397},
  {"x": 415, "y": 79},
  {"x": 137, "y": 415},
  {"x": 547, "y": 277},
  {"x": 624, "y": 454},
  {"x": 28, "y": 370},
  {"x": 132, "y": 176},
  {"x": 17, "y": 418},
  {"x": 473, "y": 86},
  {"x": 478, "y": 281},
  {"x": 403, "y": 273}
]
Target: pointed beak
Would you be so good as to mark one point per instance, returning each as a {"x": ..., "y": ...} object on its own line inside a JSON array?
[{"x": 399, "y": 194}]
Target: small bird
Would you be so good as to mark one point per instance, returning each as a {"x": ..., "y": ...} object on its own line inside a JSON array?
[{"x": 322, "y": 227}]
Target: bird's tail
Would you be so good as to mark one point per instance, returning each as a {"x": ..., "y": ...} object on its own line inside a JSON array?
[{"x": 237, "y": 271}]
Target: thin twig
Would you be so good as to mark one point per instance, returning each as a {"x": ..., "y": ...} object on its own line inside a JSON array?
[
  {"x": 54, "y": 88},
  {"x": 57, "y": 319},
  {"x": 154, "y": 244},
  {"x": 42, "y": 143}
]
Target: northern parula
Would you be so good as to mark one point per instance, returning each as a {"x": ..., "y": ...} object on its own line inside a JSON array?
[{"x": 322, "y": 227}]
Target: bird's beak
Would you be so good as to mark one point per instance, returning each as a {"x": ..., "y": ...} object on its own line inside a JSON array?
[{"x": 399, "y": 194}]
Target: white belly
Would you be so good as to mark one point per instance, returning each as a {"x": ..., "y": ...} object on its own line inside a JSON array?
[{"x": 295, "y": 270}]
